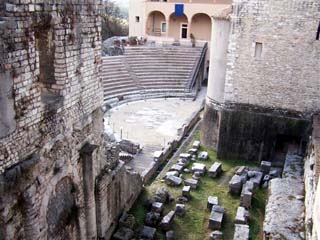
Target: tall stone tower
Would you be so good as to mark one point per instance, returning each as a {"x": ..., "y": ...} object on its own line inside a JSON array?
[{"x": 264, "y": 77}]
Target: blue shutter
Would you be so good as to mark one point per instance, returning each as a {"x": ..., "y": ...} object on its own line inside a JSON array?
[{"x": 179, "y": 8}]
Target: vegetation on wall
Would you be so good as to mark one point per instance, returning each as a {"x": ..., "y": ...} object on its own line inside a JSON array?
[{"x": 114, "y": 21}]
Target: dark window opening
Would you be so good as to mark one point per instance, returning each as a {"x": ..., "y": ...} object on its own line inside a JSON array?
[
  {"x": 137, "y": 19},
  {"x": 258, "y": 50},
  {"x": 318, "y": 33}
]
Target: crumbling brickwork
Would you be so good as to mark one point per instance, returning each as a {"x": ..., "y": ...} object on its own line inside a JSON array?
[{"x": 52, "y": 146}]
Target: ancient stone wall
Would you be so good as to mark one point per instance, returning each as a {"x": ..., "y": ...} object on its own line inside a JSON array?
[
  {"x": 312, "y": 187},
  {"x": 52, "y": 146},
  {"x": 271, "y": 85},
  {"x": 273, "y": 55}
]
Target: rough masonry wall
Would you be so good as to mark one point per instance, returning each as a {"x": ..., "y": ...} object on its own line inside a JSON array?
[
  {"x": 312, "y": 187},
  {"x": 286, "y": 75}
]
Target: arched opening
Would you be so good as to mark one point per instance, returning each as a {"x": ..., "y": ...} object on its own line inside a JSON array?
[
  {"x": 62, "y": 212},
  {"x": 201, "y": 27},
  {"x": 178, "y": 27},
  {"x": 156, "y": 24}
]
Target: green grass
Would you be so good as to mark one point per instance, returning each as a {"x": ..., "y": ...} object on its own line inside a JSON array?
[{"x": 193, "y": 226}]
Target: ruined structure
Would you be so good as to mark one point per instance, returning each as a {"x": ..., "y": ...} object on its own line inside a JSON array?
[
  {"x": 263, "y": 93},
  {"x": 60, "y": 179},
  {"x": 264, "y": 77}
]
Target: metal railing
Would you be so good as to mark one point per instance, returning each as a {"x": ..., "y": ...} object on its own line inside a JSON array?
[{"x": 196, "y": 70}]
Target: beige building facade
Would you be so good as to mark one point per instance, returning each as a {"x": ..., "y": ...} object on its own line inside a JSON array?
[{"x": 156, "y": 20}]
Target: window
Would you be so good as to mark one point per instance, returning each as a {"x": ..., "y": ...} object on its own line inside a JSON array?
[
  {"x": 184, "y": 30},
  {"x": 137, "y": 19},
  {"x": 318, "y": 33},
  {"x": 258, "y": 50},
  {"x": 163, "y": 27}
]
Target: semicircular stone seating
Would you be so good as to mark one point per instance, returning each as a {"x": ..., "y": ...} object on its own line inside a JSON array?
[{"x": 149, "y": 72}]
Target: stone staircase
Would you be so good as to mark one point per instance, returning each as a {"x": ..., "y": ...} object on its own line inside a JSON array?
[{"x": 149, "y": 72}]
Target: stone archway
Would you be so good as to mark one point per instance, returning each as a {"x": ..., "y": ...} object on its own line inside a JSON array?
[
  {"x": 178, "y": 27},
  {"x": 201, "y": 26},
  {"x": 156, "y": 24},
  {"x": 62, "y": 212}
]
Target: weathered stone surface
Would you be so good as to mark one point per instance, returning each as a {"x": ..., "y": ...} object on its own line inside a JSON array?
[
  {"x": 182, "y": 200},
  {"x": 241, "y": 232},
  {"x": 256, "y": 178},
  {"x": 173, "y": 181},
  {"x": 157, "y": 207},
  {"x": 196, "y": 175},
  {"x": 172, "y": 173},
  {"x": 147, "y": 233},
  {"x": 193, "y": 183},
  {"x": 162, "y": 195},
  {"x": 285, "y": 208},
  {"x": 203, "y": 155},
  {"x": 265, "y": 166},
  {"x": 123, "y": 233},
  {"x": 246, "y": 194},
  {"x": 199, "y": 167},
  {"x": 196, "y": 144},
  {"x": 176, "y": 167},
  {"x": 216, "y": 217},
  {"x": 180, "y": 210},
  {"x": 186, "y": 191},
  {"x": 166, "y": 222},
  {"x": 212, "y": 201},
  {"x": 127, "y": 220},
  {"x": 185, "y": 156},
  {"x": 215, "y": 170},
  {"x": 235, "y": 184},
  {"x": 152, "y": 219},
  {"x": 242, "y": 216},
  {"x": 216, "y": 235}
]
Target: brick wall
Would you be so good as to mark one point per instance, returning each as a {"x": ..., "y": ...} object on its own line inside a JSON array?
[{"x": 286, "y": 75}]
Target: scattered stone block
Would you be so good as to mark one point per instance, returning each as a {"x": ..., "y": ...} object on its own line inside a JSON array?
[
  {"x": 127, "y": 220},
  {"x": 196, "y": 144},
  {"x": 199, "y": 167},
  {"x": 243, "y": 170},
  {"x": 196, "y": 175},
  {"x": 211, "y": 202},
  {"x": 152, "y": 219},
  {"x": 180, "y": 210},
  {"x": 186, "y": 191},
  {"x": 215, "y": 170},
  {"x": 172, "y": 173},
  {"x": 256, "y": 179},
  {"x": 148, "y": 233},
  {"x": 185, "y": 156},
  {"x": 242, "y": 216},
  {"x": 193, "y": 151},
  {"x": 182, "y": 163},
  {"x": 216, "y": 235},
  {"x": 173, "y": 181},
  {"x": 235, "y": 184},
  {"x": 170, "y": 235},
  {"x": 166, "y": 221},
  {"x": 162, "y": 195},
  {"x": 192, "y": 183},
  {"x": 275, "y": 172},
  {"x": 203, "y": 155},
  {"x": 176, "y": 167},
  {"x": 216, "y": 217},
  {"x": 157, "y": 155},
  {"x": 157, "y": 207},
  {"x": 186, "y": 170},
  {"x": 265, "y": 167},
  {"x": 241, "y": 232},
  {"x": 182, "y": 200},
  {"x": 123, "y": 233},
  {"x": 246, "y": 194}
]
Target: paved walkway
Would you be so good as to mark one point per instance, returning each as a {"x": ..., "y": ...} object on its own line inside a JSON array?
[{"x": 152, "y": 123}]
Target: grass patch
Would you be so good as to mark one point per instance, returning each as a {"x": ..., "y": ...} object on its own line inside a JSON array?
[{"x": 194, "y": 225}]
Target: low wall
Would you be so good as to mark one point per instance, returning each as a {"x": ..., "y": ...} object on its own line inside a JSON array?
[
  {"x": 172, "y": 146},
  {"x": 312, "y": 186}
]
